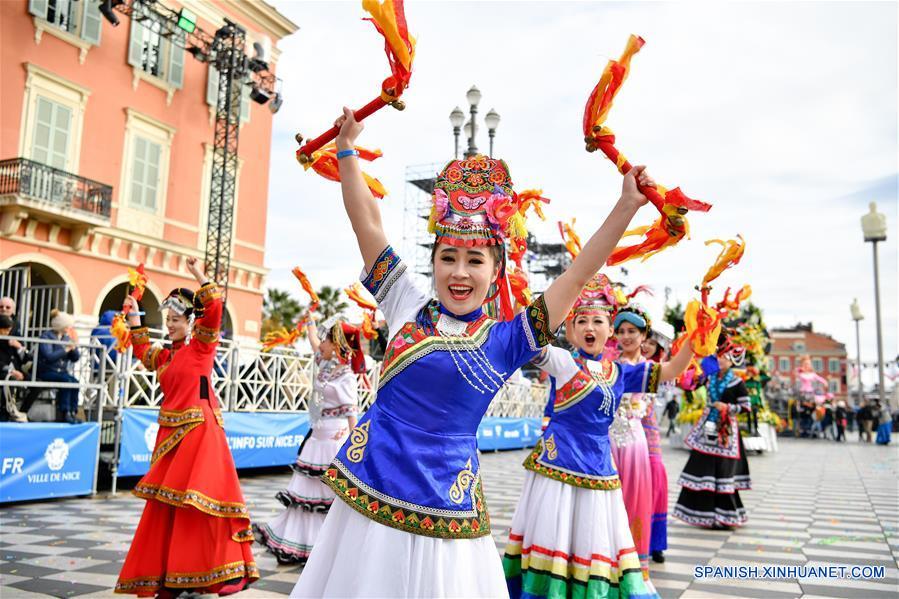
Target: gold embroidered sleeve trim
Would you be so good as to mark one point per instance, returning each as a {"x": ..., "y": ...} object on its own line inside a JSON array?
[
  {"x": 205, "y": 334},
  {"x": 140, "y": 336},
  {"x": 209, "y": 293},
  {"x": 151, "y": 358}
]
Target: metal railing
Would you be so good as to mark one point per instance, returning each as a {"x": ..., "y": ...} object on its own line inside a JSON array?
[
  {"x": 245, "y": 379},
  {"x": 56, "y": 187}
]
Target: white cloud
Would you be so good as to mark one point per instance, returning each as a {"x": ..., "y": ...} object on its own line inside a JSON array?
[{"x": 783, "y": 115}]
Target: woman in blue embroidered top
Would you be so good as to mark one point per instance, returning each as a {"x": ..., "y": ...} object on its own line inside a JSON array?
[
  {"x": 570, "y": 534},
  {"x": 412, "y": 521},
  {"x": 717, "y": 469}
]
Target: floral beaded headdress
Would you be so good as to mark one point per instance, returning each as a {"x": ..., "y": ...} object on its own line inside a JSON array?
[
  {"x": 598, "y": 296},
  {"x": 474, "y": 205}
]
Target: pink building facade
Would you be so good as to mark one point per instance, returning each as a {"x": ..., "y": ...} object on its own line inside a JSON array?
[{"x": 106, "y": 157}]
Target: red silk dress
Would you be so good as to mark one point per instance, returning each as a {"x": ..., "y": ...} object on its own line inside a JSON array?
[{"x": 195, "y": 532}]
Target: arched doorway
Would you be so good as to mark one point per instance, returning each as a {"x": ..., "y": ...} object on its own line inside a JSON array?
[
  {"x": 149, "y": 304},
  {"x": 227, "y": 325},
  {"x": 37, "y": 289}
]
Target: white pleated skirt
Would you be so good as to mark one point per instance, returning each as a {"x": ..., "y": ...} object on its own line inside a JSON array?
[
  {"x": 357, "y": 557},
  {"x": 307, "y": 499}
]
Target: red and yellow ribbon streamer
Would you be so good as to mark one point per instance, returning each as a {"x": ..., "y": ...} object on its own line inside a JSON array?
[
  {"x": 307, "y": 287},
  {"x": 282, "y": 336},
  {"x": 389, "y": 18},
  {"x": 357, "y": 295},
  {"x": 672, "y": 204},
  {"x": 570, "y": 238},
  {"x": 731, "y": 254},
  {"x": 324, "y": 162},
  {"x": 119, "y": 329}
]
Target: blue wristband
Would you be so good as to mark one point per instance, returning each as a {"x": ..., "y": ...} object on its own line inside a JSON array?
[{"x": 345, "y": 153}]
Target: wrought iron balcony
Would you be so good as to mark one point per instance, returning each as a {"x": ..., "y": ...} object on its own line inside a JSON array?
[{"x": 45, "y": 189}]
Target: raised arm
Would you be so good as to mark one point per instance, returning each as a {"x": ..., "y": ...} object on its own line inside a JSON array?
[
  {"x": 676, "y": 365},
  {"x": 360, "y": 204},
  {"x": 564, "y": 290},
  {"x": 207, "y": 327},
  {"x": 140, "y": 336},
  {"x": 312, "y": 333}
]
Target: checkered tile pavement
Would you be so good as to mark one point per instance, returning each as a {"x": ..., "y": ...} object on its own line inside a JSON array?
[{"x": 813, "y": 503}]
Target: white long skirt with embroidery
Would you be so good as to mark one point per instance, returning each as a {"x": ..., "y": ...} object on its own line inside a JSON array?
[
  {"x": 293, "y": 533},
  {"x": 358, "y": 557}
]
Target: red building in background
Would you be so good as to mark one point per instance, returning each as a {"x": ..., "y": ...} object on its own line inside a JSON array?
[
  {"x": 106, "y": 138},
  {"x": 790, "y": 345}
]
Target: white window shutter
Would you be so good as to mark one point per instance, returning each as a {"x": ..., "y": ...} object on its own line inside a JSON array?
[
  {"x": 43, "y": 131},
  {"x": 136, "y": 42},
  {"x": 91, "y": 22},
  {"x": 151, "y": 182},
  {"x": 38, "y": 8},
  {"x": 62, "y": 124},
  {"x": 244, "y": 102},
  {"x": 176, "y": 60},
  {"x": 212, "y": 85}
]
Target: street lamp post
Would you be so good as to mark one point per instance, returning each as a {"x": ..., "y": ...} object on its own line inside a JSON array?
[
  {"x": 492, "y": 122},
  {"x": 457, "y": 118},
  {"x": 474, "y": 98},
  {"x": 470, "y": 128},
  {"x": 874, "y": 227},
  {"x": 857, "y": 317}
]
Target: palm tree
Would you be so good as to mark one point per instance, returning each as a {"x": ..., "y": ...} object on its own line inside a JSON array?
[
  {"x": 331, "y": 304},
  {"x": 674, "y": 315},
  {"x": 279, "y": 309}
]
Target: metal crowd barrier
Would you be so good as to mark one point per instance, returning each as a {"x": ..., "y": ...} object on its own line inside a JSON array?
[{"x": 245, "y": 379}]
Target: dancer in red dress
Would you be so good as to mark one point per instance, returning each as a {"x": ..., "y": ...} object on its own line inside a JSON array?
[{"x": 194, "y": 534}]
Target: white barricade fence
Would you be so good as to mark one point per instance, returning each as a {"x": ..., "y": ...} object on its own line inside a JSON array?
[{"x": 245, "y": 379}]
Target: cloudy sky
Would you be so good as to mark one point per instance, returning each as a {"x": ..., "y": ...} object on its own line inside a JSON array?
[{"x": 782, "y": 115}]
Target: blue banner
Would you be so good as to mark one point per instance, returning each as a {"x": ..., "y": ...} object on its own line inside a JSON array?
[
  {"x": 41, "y": 460},
  {"x": 508, "y": 433},
  {"x": 256, "y": 439}
]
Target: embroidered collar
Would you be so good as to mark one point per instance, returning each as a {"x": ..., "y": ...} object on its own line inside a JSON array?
[
  {"x": 579, "y": 353},
  {"x": 470, "y": 317}
]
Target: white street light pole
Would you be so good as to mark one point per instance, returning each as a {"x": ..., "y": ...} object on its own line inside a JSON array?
[
  {"x": 874, "y": 226},
  {"x": 857, "y": 317}
]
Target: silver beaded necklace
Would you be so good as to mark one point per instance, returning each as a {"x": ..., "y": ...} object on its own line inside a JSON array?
[{"x": 459, "y": 344}]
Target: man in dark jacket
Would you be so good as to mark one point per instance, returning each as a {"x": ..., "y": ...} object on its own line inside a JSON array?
[
  {"x": 12, "y": 367},
  {"x": 8, "y": 308}
]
